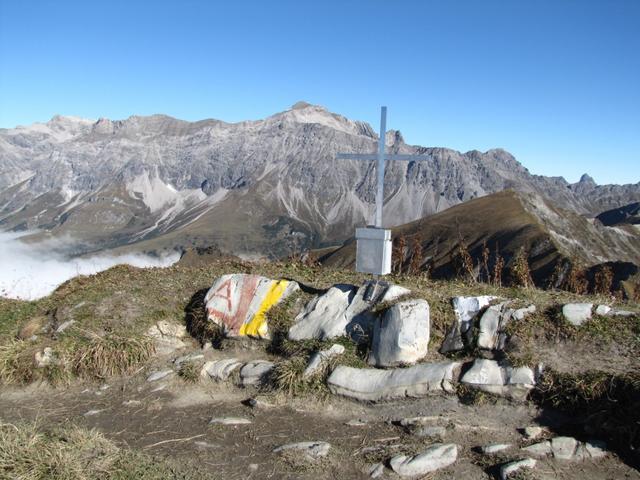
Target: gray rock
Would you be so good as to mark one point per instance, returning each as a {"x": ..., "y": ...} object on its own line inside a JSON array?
[
  {"x": 254, "y": 373},
  {"x": 376, "y": 470},
  {"x": 230, "y": 421},
  {"x": 540, "y": 449},
  {"x": 433, "y": 431},
  {"x": 91, "y": 413},
  {"x": 460, "y": 333},
  {"x": 220, "y": 370},
  {"x": 374, "y": 385},
  {"x": 495, "y": 448},
  {"x": 159, "y": 375},
  {"x": 489, "y": 376},
  {"x": 257, "y": 403},
  {"x": 401, "y": 336},
  {"x": 310, "y": 450},
  {"x": 341, "y": 311},
  {"x": 435, "y": 457},
  {"x": 522, "y": 313},
  {"x": 45, "y": 358},
  {"x": 167, "y": 336},
  {"x": 532, "y": 432},
  {"x": 64, "y": 325},
  {"x": 603, "y": 310},
  {"x": 319, "y": 359},
  {"x": 564, "y": 448},
  {"x": 623, "y": 313},
  {"x": 595, "y": 449},
  {"x": 510, "y": 468},
  {"x": 192, "y": 357},
  {"x": 492, "y": 332},
  {"x": 577, "y": 313}
]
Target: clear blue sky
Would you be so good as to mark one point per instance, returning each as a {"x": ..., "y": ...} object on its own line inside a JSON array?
[{"x": 556, "y": 82}]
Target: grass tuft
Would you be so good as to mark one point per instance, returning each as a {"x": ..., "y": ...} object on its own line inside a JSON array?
[
  {"x": 189, "y": 372},
  {"x": 103, "y": 357}
]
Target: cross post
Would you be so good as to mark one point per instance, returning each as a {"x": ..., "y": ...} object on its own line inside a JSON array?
[{"x": 374, "y": 244}]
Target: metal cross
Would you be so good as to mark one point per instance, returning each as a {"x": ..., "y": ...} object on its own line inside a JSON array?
[{"x": 380, "y": 157}]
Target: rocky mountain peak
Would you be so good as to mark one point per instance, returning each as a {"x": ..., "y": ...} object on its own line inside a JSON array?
[{"x": 586, "y": 178}]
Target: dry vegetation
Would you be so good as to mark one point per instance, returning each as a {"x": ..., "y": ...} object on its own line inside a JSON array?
[{"x": 29, "y": 452}]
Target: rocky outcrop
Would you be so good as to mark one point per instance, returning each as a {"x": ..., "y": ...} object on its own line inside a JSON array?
[
  {"x": 167, "y": 336},
  {"x": 375, "y": 384},
  {"x": 489, "y": 376},
  {"x": 401, "y": 335},
  {"x": 344, "y": 310},
  {"x": 460, "y": 333}
]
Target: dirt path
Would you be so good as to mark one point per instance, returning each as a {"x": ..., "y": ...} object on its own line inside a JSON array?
[{"x": 174, "y": 422}]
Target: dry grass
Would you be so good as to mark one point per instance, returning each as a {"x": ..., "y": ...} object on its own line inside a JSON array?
[
  {"x": 27, "y": 452},
  {"x": 189, "y": 372},
  {"x": 109, "y": 355}
]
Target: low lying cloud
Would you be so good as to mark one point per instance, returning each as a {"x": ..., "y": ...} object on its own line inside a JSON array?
[{"x": 32, "y": 271}]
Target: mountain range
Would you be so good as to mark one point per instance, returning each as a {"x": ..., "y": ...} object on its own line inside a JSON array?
[{"x": 263, "y": 187}]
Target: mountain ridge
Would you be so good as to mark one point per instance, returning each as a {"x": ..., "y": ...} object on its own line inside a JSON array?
[{"x": 274, "y": 180}]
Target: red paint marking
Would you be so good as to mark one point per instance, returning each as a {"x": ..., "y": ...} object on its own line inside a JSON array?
[
  {"x": 247, "y": 291},
  {"x": 227, "y": 295}
]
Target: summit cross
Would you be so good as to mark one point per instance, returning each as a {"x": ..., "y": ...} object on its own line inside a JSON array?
[
  {"x": 380, "y": 157},
  {"x": 373, "y": 246}
]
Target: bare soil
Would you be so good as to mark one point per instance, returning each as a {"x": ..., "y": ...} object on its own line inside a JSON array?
[{"x": 173, "y": 422}]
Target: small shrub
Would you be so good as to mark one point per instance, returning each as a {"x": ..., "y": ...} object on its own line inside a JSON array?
[
  {"x": 520, "y": 271},
  {"x": 398, "y": 253},
  {"x": 577, "y": 278},
  {"x": 603, "y": 281},
  {"x": 498, "y": 268},
  {"x": 417, "y": 256}
]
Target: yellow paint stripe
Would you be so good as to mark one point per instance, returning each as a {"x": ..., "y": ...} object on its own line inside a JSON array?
[{"x": 257, "y": 326}]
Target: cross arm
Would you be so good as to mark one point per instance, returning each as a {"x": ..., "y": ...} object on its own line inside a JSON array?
[{"x": 373, "y": 156}]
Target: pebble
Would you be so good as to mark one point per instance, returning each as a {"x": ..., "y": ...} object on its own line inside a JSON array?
[
  {"x": 311, "y": 450},
  {"x": 159, "y": 375},
  {"x": 229, "y": 421},
  {"x": 495, "y": 448}
]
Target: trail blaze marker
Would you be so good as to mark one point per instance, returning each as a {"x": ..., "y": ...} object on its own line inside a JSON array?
[{"x": 373, "y": 247}]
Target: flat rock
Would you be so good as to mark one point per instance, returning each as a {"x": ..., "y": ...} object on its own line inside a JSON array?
[
  {"x": 319, "y": 359},
  {"x": 495, "y": 448},
  {"x": 311, "y": 450},
  {"x": 460, "y": 333},
  {"x": 433, "y": 431},
  {"x": 401, "y": 335},
  {"x": 159, "y": 375},
  {"x": 220, "y": 370},
  {"x": 489, "y": 376},
  {"x": 564, "y": 448},
  {"x": 342, "y": 311},
  {"x": 512, "y": 467},
  {"x": 167, "y": 336},
  {"x": 603, "y": 310},
  {"x": 192, "y": 357},
  {"x": 435, "y": 457},
  {"x": 532, "y": 432},
  {"x": 376, "y": 470},
  {"x": 368, "y": 384},
  {"x": 577, "y": 313},
  {"x": 64, "y": 325},
  {"x": 255, "y": 373},
  {"x": 230, "y": 421},
  {"x": 539, "y": 449},
  {"x": 238, "y": 302}
]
